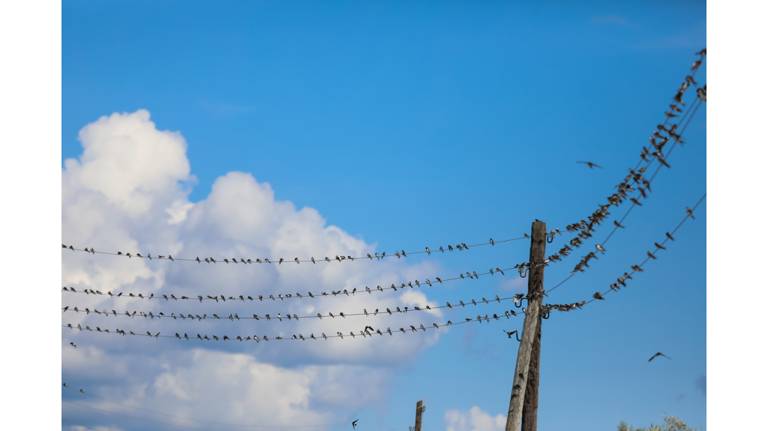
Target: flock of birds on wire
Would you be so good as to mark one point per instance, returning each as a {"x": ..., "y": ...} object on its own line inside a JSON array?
[
  {"x": 635, "y": 181},
  {"x": 367, "y": 331}
]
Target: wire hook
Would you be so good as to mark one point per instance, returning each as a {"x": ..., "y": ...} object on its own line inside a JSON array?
[{"x": 523, "y": 271}]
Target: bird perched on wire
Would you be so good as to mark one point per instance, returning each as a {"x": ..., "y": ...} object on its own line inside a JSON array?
[
  {"x": 590, "y": 165},
  {"x": 656, "y": 355},
  {"x": 354, "y": 423}
]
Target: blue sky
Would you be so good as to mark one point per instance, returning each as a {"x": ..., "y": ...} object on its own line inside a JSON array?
[{"x": 407, "y": 123}]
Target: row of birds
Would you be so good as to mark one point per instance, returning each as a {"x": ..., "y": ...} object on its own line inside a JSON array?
[
  {"x": 518, "y": 300},
  {"x": 634, "y": 181},
  {"x": 367, "y": 331},
  {"x": 661, "y": 135},
  {"x": 413, "y": 284},
  {"x": 461, "y": 246},
  {"x": 622, "y": 280}
]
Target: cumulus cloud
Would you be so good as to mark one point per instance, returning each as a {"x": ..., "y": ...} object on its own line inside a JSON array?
[
  {"x": 475, "y": 419},
  {"x": 129, "y": 190},
  {"x": 95, "y": 428}
]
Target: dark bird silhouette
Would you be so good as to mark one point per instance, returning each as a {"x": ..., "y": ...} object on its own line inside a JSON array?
[
  {"x": 598, "y": 296},
  {"x": 590, "y": 165},
  {"x": 656, "y": 355},
  {"x": 511, "y": 333},
  {"x": 73, "y": 344},
  {"x": 354, "y": 423}
]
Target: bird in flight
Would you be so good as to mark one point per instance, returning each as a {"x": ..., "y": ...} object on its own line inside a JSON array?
[
  {"x": 590, "y": 165},
  {"x": 354, "y": 424},
  {"x": 511, "y": 333},
  {"x": 656, "y": 355}
]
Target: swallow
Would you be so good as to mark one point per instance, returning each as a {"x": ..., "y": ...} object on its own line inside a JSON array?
[
  {"x": 618, "y": 224},
  {"x": 651, "y": 255},
  {"x": 598, "y": 296},
  {"x": 661, "y": 159},
  {"x": 695, "y": 65},
  {"x": 600, "y": 248},
  {"x": 354, "y": 424},
  {"x": 701, "y": 93},
  {"x": 669, "y": 236},
  {"x": 659, "y": 246},
  {"x": 511, "y": 333},
  {"x": 689, "y": 212},
  {"x": 590, "y": 165},
  {"x": 656, "y": 355}
]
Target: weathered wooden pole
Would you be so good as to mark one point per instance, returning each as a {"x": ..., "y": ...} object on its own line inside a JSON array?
[
  {"x": 531, "y": 401},
  {"x": 419, "y": 410},
  {"x": 531, "y": 325}
]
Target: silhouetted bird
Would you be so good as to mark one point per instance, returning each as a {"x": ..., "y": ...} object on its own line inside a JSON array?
[
  {"x": 656, "y": 355},
  {"x": 511, "y": 333},
  {"x": 590, "y": 165},
  {"x": 354, "y": 423}
]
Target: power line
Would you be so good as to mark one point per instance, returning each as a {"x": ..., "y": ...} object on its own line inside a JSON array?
[
  {"x": 618, "y": 224},
  {"x": 660, "y": 245},
  {"x": 367, "y": 332},
  {"x": 288, "y": 317},
  {"x": 217, "y": 297},
  {"x": 243, "y": 260},
  {"x": 585, "y": 227},
  {"x": 694, "y": 108}
]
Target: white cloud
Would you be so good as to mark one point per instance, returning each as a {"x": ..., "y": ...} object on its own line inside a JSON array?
[
  {"x": 96, "y": 428},
  {"x": 128, "y": 191},
  {"x": 475, "y": 419}
]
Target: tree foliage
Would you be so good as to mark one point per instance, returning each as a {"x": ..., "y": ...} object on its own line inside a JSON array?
[{"x": 671, "y": 423}]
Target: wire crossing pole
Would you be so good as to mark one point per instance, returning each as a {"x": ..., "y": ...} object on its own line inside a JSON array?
[
  {"x": 530, "y": 326},
  {"x": 419, "y": 410}
]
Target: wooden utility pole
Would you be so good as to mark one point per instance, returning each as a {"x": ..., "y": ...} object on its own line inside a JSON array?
[
  {"x": 531, "y": 326},
  {"x": 531, "y": 400},
  {"x": 419, "y": 410}
]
